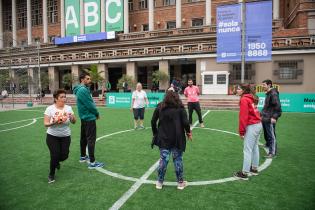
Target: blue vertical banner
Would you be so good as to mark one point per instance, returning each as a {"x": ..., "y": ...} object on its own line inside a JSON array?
[
  {"x": 258, "y": 31},
  {"x": 229, "y": 33}
]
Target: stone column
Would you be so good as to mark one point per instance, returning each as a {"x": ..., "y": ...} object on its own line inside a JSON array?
[
  {"x": 276, "y": 9},
  {"x": 53, "y": 75},
  {"x": 208, "y": 12},
  {"x": 30, "y": 73},
  {"x": 29, "y": 22},
  {"x": 151, "y": 15},
  {"x": 1, "y": 26},
  {"x": 14, "y": 36},
  {"x": 131, "y": 70},
  {"x": 81, "y": 17},
  {"x": 103, "y": 15},
  {"x": 200, "y": 63},
  {"x": 62, "y": 18},
  {"x": 164, "y": 67},
  {"x": 178, "y": 13},
  {"x": 126, "y": 17},
  {"x": 45, "y": 22},
  {"x": 75, "y": 72},
  {"x": 102, "y": 68}
]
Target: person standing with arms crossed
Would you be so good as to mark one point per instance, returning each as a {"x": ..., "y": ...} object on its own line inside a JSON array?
[
  {"x": 270, "y": 114},
  {"x": 192, "y": 92},
  {"x": 88, "y": 115}
]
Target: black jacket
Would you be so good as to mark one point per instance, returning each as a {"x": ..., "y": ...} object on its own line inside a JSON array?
[
  {"x": 272, "y": 106},
  {"x": 170, "y": 131}
]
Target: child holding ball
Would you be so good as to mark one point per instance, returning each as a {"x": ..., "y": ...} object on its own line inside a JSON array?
[{"x": 57, "y": 118}]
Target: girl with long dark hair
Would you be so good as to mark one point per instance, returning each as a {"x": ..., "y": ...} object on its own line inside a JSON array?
[{"x": 170, "y": 134}]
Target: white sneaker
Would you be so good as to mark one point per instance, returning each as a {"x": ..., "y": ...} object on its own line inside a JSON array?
[
  {"x": 202, "y": 125},
  {"x": 181, "y": 185},
  {"x": 159, "y": 185}
]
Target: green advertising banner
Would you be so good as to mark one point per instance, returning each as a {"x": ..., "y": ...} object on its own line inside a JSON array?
[
  {"x": 92, "y": 14},
  {"x": 123, "y": 100},
  {"x": 293, "y": 102},
  {"x": 114, "y": 15},
  {"x": 72, "y": 17}
]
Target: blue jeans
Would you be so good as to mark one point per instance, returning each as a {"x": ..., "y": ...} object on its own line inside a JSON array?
[
  {"x": 178, "y": 163},
  {"x": 251, "y": 150},
  {"x": 270, "y": 137}
]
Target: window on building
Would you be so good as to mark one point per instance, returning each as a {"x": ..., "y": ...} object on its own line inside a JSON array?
[
  {"x": 143, "y": 4},
  {"x": 52, "y": 11},
  {"x": 208, "y": 79},
  {"x": 189, "y": 1},
  {"x": 221, "y": 79},
  {"x": 7, "y": 17},
  {"x": 21, "y": 14},
  {"x": 288, "y": 70},
  {"x": 197, "y": 22},
  {"x": 130, "y": 5},
  {"x": 145, "y": 27},
  {"x": 236, "y": 73},
  {"x": 171, "y": 24},
  {"x": 169, "y": 2},
  {"x": 51, "y": 39},
  {"x": 36, "y": 10}
]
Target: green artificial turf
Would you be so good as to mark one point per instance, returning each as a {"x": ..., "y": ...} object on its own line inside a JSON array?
[{"x": 288, "y": 183}]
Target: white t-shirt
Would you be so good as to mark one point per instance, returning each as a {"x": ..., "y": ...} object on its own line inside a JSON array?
[
  {"x": 139, "y": 97},
  {"x": 59, "y": 130}
]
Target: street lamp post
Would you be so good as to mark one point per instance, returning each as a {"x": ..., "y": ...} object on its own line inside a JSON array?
[{"x": 39, "y": 79}]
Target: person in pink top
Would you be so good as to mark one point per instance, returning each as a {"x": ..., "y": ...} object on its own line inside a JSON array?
[{"x": 192, "y": 94}]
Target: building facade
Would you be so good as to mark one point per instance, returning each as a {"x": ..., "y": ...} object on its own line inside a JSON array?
[{"x": 174, "y": 36}]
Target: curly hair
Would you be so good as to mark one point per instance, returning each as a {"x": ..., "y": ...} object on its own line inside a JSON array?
[{"x": 171, "y": 100}]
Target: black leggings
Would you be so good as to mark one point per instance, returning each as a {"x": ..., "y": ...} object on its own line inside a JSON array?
[
  {"x": 59, "y": 150},
  {"x": 194, "y": 106}
]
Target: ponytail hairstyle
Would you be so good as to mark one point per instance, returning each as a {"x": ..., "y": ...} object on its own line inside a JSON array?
[{"x": 250, "y": 89}]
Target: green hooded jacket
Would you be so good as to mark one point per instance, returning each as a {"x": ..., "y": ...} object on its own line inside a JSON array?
[{"x": 86, "y": 106}]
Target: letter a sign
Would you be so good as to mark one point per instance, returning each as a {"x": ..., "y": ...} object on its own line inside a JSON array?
[
  {"x": 72, "y": 17},
  {"x": 114, "y": 15}
]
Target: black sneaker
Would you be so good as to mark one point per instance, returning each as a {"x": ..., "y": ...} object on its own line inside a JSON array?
[
  {"x": 254, "y": 172},
  {"x": 240, "y": 175},
  {"x": 51, "y": 179}
]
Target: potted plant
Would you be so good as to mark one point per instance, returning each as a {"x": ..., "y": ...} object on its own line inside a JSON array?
[
  {"x": 67, "y": 80},
  {"x": 126, "y": 79},
  {"x": 161, "y": 78},
  {"x": 96, "y": 78}
]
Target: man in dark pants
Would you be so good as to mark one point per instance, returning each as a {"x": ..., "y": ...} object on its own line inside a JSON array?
[
  {"x": 88, "y": 115},
  {"x": 192, "y": 92},
  {"x": 270, "y": 114}
]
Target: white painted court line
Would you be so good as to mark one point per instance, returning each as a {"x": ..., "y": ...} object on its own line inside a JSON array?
[
  {"x": 121, "y": 201},
  {"x": 262, "y": 167},
  {"x": 34, "y": 121},
  {"x": 20, "y": 121}
]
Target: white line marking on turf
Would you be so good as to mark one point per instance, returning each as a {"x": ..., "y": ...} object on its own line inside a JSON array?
[
  {"x": 34, "y": 121},
  {"x": 262, "y": 167},
  {"x": 20, "y": 121},
  {"x": 121, "y": 201}
]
